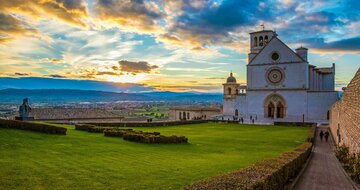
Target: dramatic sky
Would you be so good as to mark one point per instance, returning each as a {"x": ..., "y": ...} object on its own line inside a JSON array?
[{"x": 175, "y": 45}]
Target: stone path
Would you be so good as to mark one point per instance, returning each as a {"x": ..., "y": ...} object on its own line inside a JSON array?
[{"x": 324, "y": 171}]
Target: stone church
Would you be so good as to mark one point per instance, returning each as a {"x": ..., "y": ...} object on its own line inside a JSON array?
[{"x": 281, "y": 85}]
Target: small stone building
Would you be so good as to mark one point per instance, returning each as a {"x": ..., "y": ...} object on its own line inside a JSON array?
[
  {"x": 345, "y": 117},
  {"x": 193, "y": 113}
]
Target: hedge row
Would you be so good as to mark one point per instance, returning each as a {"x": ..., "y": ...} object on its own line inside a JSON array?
[
  {"x": 351, "y": 162},
  {"x": 268, "y": 174},
  {"x": 83, "y": 127},
  {"x": 90, "y": 128},
  {"x": 43, "y": 128},
  {"x": 144, "y": 137},
  {"x": 301, "y": 124},
  {"x": 150, "y": 124}
]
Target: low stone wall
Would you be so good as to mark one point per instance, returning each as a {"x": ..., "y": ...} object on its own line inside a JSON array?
[{"x": 345, "y": 117}]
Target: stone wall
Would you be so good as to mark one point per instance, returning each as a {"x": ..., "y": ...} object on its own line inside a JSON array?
[{"x": 345, "y": 117}]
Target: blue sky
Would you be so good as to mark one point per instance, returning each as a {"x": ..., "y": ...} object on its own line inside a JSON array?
[{"x": 174, "y": 45}]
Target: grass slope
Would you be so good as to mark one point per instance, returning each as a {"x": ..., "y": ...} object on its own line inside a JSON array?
[{"x": 82, "y": 160}]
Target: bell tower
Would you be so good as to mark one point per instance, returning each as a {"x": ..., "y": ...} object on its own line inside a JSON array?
[{"x": 258, "y": 40}]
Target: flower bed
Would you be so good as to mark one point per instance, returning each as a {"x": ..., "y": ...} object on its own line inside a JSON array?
[{"x": 43, "y": 128}]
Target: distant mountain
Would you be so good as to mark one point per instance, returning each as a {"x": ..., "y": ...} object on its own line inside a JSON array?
[{"x": 69, "y": 95}]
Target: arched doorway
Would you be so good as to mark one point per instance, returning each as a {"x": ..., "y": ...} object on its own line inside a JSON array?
[
  {"x": 184, "y": 115},
  {"x": 229, "y": 91},
  {"x": 280, "y": 110},
  {"x": 180, "y": 116},
  {"x": 236, "y": 112},
  {"x": 271, "y": 110},
  {"x": 274, "y": 106}
]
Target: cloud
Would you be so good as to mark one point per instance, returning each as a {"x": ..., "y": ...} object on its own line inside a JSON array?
[
  {"x": 56, "y": 76},
  {"x": 70, "y": 11},
  {"x": 11, "y": 27},
  {"x": 108, "y": 73},
  {"x": 343, "y": 45},
  {"x": 133, "y": 15},
  {"x": 136, "y": 67},
  {"x": 52, "y": 60},
  {"x": 21, "y": 74},
  {"x": 207, "y": 23}
]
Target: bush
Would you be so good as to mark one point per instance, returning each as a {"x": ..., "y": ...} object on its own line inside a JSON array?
[
  {"x": 150, "y": 124},
  {"x": 268, "y": 174},
  {"x": 144, "y": 137},
  {"x": 83, "y": 127},
  {"x": 351, "y": 162},
  {"x": 342, "y": 153},
  {"x": 37, "y": 127}
]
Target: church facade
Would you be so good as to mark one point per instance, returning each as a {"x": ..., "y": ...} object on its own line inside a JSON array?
[{"x": 281, "y": 85}]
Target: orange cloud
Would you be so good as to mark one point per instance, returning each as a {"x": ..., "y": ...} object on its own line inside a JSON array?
[
  {"x": 136, "y": 16},
  {"x": 71, "y": 11},
  {"x": 12, "y": 27}
]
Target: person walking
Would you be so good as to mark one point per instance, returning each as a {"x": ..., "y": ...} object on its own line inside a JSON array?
[
  {"x": 327, "y": 135},
  {"x": 321, "y": 135}
]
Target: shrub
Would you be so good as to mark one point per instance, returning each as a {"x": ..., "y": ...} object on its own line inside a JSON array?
[
  {"x": 268, "y": 174},
  {"x": 37, "y": 127},
  {"x": 351, "y": 162},
  {"x": 83, "y": 127},
  {"x": 342, "y": 153},
  {"x": 144, "y": 137},
  {"x": 150, "y": 124}
]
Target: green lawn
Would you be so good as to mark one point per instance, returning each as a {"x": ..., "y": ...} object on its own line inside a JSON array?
[{"x": 82, "y": 160}]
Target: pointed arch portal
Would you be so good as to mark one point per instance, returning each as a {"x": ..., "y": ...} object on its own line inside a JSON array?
[{"x": 275, "y": 106}]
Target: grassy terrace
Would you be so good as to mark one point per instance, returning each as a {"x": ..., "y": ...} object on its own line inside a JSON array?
[{"x": 82, "y": 160}]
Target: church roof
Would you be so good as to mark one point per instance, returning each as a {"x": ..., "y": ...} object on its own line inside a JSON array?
[
  {"x": 325, "y": 70},
  {"x": 261, "y": 31},
  {"x": 280, "y": 42}
]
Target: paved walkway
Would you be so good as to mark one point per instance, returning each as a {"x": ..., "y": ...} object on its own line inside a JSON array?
[{"x": 324, "y": 171}]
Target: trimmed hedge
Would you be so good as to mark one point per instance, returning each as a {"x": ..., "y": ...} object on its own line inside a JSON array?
[
  {"x": 300, "y": 124},
  {"x": 37, "y": 127},
  {"x": 83, "y": 127},
  {"x": 144, "y": 137},
  {"x": 268, "y": 174},
  {"x": 90, "y": 128},
  {"x": 351, "y": 162},
  {"x": 150, "y": 124}
]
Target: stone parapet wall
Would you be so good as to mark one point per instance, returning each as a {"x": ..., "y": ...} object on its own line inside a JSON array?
[{"x": 345, "y": 117}]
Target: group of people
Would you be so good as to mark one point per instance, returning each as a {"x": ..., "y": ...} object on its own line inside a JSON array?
[{"x": 326, "y": 134}]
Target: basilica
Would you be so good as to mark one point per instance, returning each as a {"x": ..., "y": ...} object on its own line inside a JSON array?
[{"x": 281, "y": 85}]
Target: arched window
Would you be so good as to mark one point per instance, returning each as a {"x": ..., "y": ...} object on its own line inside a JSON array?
[
  {"x": 229, "y": 91},
  {"x": 261, "y": 41},
  {"x": 180, "y": 115},
  {"x": 188, "y": 115},
  {"x": 184, "y": 116},
  {"x": 328, "y": 115},
  {"x": 266, "y": 39},
  {"x": 255, "y": 41},
  {"x": 237, "y": 91},
  {"x": 236, "y": 112}
]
